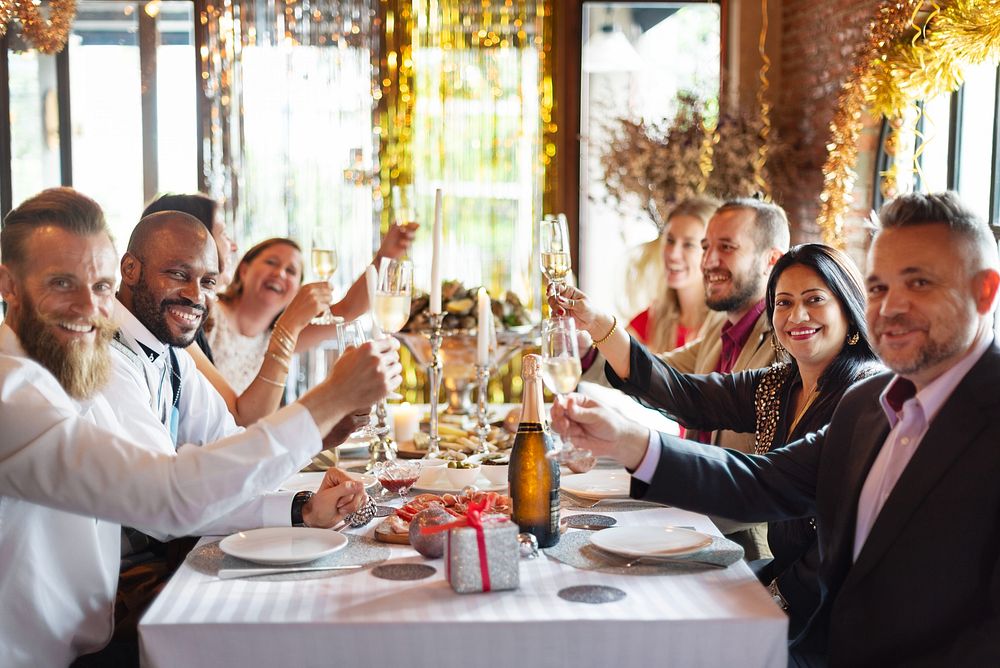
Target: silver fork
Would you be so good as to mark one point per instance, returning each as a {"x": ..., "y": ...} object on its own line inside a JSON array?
[{"x": 629, "y": 562}]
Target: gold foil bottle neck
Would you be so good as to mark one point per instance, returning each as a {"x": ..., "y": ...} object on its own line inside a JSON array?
[{"x": 531, "y": 365}]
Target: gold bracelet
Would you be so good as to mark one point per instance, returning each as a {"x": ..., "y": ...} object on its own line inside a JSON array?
[
  {"x": 282, "y": 360},
  {"x": 270, "y": 381},
  {"x": 283, "y": 337},
  {"x": 614, "y": 326}
]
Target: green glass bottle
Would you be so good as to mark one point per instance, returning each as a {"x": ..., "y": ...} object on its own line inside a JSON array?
[{"x": 534, "y": 478}]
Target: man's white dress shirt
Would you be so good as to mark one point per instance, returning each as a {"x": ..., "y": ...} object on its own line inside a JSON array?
[
  {"x": 140, "y": 393},
  {"x": 64, "y": 464}
]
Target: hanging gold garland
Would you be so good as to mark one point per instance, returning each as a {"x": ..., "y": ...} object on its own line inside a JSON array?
[
  {"x": 891, "y": 20},
  {"x": 892, "y": 71},
  {"x": 47, "y": 35},
  {"x": 764, "y": 107}
]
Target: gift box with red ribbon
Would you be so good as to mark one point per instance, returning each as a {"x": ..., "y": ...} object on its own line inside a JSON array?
[{"x": 481, "y": 551}]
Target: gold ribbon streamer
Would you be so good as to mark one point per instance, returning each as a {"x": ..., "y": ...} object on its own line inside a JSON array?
[{"x": 760, "y": 161}]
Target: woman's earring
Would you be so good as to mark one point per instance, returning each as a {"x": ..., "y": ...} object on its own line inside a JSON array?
[
  {"x": 778, "y": 348},
  {"x": 853, "y": 339}
]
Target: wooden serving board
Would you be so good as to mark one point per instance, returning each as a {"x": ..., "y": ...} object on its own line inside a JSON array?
[
  {"x": 386, "y": 535},
  {"x": 407, "y": 450}
]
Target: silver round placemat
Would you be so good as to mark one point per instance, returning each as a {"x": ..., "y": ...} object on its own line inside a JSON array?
[
  {"x": 210, "y": 559},
  {"x": 591, "y": 594},
  {"x": 588, "y": 521},
  {"x": 574, "y": 549},
  {"x": 403, "y": 571},
  {"x": 570, "y": 502}
]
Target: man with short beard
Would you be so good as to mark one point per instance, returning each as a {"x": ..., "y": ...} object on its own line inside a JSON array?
[
  {"x": 168, "y": 276},
  {"x": 69, "y": 476},
  {"x": 743, "y": 240},
  {"x": 902, "y": 482}
]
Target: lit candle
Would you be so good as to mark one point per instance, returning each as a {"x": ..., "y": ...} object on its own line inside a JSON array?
[
  {"x": 371, "y": 280},
  {"x": 405, "y": 422},
  {"x": 483, "y": 339},
  {"x": 435, "y": 303}
]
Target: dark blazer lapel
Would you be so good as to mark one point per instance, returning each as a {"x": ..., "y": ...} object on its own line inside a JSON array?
[
  {"x": 869, "y": 433},
  {"x": 959, "y": 422}
]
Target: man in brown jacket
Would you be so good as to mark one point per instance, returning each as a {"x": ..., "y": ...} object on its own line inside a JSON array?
[{"x": 743, "y": 240}]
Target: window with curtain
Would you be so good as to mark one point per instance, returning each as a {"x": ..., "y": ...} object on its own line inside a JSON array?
[
  {"x": 291, "y": 140},
  {"x": 471, "y": 93}
]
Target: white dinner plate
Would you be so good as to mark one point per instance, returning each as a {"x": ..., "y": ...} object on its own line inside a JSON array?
[
  {"x": 354, "y": 446},
  {"x": 310, "y": 481},
  {"x": 647, "y": 541},
  {"x": 598, "y": 484},
  {"x": 442, "y": 486},
  {"x": 283, "y": 545}
]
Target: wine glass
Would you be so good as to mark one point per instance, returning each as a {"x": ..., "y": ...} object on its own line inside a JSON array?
[
  {"x": 324, "y": 265},
  {"x": 404, "y": 206},
  {"x": 554, "y": 241},
  {"x": 391, "y": 309},
  {"x": 561, "y": 373},
  {"x": 393, "y": 291},
  {"x": 351, "y": 335}
]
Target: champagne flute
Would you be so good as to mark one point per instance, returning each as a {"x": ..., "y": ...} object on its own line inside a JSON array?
[
  {"x": 404, "y": 205},
  {"x": 554, "y": 241},
  {"x": 561, "y": 373},
  {"x": 351, "y": 335},
  {"x": 324, "y": 265},
  {"x": 393, "y": 292}
]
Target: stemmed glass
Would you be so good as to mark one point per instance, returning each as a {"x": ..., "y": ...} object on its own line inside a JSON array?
[
  {"x": 324, "y": 265},
  {"x": 352, "y": 335},
  {"x": 554, "y": 241},
  {"x": 393, "y": 292},
  {"x": 404, "y": 206},
  {"x": 398, "y": 476},
  {"x": 561, "y": 374}
]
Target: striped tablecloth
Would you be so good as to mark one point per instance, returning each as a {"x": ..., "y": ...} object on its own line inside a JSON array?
[{"x": 714, "y": 618}]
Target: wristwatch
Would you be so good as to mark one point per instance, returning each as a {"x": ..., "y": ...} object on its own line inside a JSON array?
[{"x": 298, "y": 503}]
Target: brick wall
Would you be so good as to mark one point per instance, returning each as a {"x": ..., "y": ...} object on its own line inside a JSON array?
[{"x": 818, "y": 42}]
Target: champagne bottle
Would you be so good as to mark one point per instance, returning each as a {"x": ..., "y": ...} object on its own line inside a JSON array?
[{"x": 534, "y": 478}]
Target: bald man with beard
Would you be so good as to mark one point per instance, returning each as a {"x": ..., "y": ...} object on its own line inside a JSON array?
[
  {"x": 168, "y": 277},
  {"x": 69, "y": 472}
]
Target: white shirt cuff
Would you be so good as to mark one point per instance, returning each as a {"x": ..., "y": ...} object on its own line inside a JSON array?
[
  {"x": 276, "y": 509},
  {"x": 647, "y": 467}
]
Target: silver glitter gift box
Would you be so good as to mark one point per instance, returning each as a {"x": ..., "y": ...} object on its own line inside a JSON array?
[{"x": 501, "y": 556}]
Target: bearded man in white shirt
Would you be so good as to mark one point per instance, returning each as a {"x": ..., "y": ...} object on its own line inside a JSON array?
[
  {"x": 902, "y": 482},
  {"x": 68, "y": 475}
]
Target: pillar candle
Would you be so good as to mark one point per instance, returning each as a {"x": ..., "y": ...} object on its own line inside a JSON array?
[
  {"x": 483, "y": 340},
  {"x": 435, "y": 302},
  {"x": 405, "y": 422}
]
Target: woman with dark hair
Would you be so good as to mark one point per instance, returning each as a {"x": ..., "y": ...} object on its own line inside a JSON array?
[{"x": 816, "y": 303}]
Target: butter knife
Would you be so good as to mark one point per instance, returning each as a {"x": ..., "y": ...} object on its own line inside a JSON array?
[{"x": 231, "y": 573}]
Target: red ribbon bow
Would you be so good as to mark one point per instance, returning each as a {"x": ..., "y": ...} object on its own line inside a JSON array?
[{"x": 473, "y": 518}]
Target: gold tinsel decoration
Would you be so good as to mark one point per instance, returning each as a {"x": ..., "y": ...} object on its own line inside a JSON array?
[
  {"x": 764, "y": 107},
  {"x": 893, "y": 70},
  {"x": 47, "y": 35}
]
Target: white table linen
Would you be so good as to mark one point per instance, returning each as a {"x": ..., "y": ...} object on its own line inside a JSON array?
[{"x": 710, "y": 618}]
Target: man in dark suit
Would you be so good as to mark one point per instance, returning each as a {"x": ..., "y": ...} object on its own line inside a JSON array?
[{"x": 904, "y": 480}]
